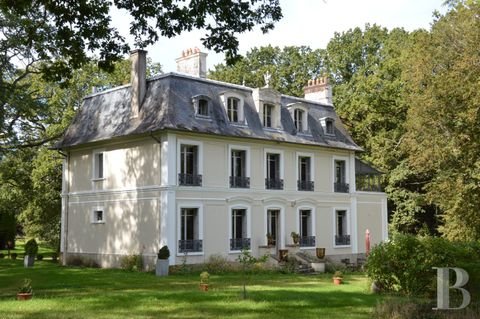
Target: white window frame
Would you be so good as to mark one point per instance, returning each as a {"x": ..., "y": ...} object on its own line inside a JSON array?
[
  {"x": 349, "y": 227},
  {"x": 304, "y": 117},
  {"x": 313, "y": 221},
  {"x": 346, "y": 159},
  {"x": 196, "y": 102},
  {"x": 275, "y": 116},
  {"x": 323, "y": 122},
  {"x": 312, "y": 165},
  {"x": 281, "y": 234},
  {"x": 95, "y": 154},
  {"x": 93, "y": 215},
  {"x": 282, "y": 160},
  {"x": 241, "y": 114},
  {"x": 248, "y": 222},
  {"x": 247, "y": 160},
  {"x": 199, "y": 145},
  {"x": 199, "y": 208}
]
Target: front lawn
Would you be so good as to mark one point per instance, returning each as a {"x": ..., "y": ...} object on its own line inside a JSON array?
[{"x": 61, "y": 292}]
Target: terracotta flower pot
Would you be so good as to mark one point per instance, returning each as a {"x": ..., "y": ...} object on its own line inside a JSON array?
[
  {"x": 204, "y": 287},
  {"x": 24, "y": 296},
  {"x": 337, "y": 280}
]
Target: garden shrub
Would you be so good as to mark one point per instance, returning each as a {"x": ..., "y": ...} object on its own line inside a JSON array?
[
  {"x": 31, "y": 247},
  {"x": 132, "y": 262},
  {"x": 2, "y": 256},
  {"x": 404, "y": 264},
  {"x": 217, "y": 264}
]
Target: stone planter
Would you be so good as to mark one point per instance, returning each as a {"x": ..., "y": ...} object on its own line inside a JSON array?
[
  {"x": 320, "y": 252},
  {"x": 318, "y": 267},
  {"x": 28, "y": 261},
  {"x": 161, "y": 268},
  {"x": 283, "y": 254}
]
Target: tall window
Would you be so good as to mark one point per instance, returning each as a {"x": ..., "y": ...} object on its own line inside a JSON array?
[
  {"x": 272, "y": 225},
  {"x": 202, "y": 107},
  {"x": 189, "y": 231},
  {"x": 267, "y": 115},
  {"x": 273, "y": 180},
  {"x": 298, "y": 119},
  {"x": 329, "y": 126},
  {"x": 239, "y": 238},
  {"x": 98, "y": 165},
  {"x": 307, "y": 238},
  {"x": 341, "y": 224},
  {"x": 304, "y": 174},
  {"x": 189, "y": 166},
  {"x": 232, "y": 109},
  {"x": 340, "y": 177},
  {"x": 238, "y": 174}
]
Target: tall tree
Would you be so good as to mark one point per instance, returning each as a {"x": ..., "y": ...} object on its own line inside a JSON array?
[
  {"x": 53, "y": 38},
  {"x": 443, "y": 123},
  {"x": 290, "y": 68}
]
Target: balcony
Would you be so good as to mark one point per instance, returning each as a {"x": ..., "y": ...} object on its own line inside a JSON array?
[
  {"x": 342, "y": 240},
  {"x": 239, "y": 243},
  {"x": 341, "y": 187},
  {"x": 271, "y": 183},
  {"x": 190, "y": 246},
  {"x": 189, "y": 180},
  {"x": 305, "y": 185},
  {"x": 307, "y": 241},
  {"x": 239, "y": 182}
]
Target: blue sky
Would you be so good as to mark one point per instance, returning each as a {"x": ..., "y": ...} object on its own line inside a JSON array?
[{"x": 305, "y": 22}]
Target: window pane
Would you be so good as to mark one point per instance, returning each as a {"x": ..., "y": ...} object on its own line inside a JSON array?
[
  {"x": 203, "y": 107},
  {"x": 232, "y": 109},
  {"x": 273, "y": 166},
  {"x": 99, "y": 165},
  {"x": 238, "y": 223},
  {"x": 267, "y": 115},
  {"x": 298, "y": 119},
  {"x": 304, "y": 168},
  {"x": 188, "y": 159},
  {"x": 238, "y": 163}
]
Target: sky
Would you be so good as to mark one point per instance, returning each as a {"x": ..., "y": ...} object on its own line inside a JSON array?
[{"x": 305, "y": 22}]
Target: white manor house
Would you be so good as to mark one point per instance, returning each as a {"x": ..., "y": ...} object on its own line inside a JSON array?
[{"x": 208, "y": 167}]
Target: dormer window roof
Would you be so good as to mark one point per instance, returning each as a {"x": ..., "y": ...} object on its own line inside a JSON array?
[{"x": 268, "y": 105}]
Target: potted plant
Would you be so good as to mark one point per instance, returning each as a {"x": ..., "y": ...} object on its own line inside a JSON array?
[
  {"x": 270, "y": 241},
  {"x": 320, "y": 252},
  {"x": 31, "y": 249},
  {"x": 204, "y": 278},
  {"x": 25, "y": 291},
  {"x": 338, "y": 277},
  {"x": 162, "y": 261},
  {"x": 295, "y": 237}
]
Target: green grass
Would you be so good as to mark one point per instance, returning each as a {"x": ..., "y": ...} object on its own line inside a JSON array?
[
  {"x": 63, "y": 292},
  {"x": 20, "y": 249}
]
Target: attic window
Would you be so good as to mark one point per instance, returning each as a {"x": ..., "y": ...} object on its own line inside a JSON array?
[
  {"x": 267, "y": 115},
  {"x": 201, "y": 104},
  {"x": 233, "y": 105},
  {"x": 299, "y": 113},
  {"x": 232, "y": 109},
  {"x": 329, "y": 126}
]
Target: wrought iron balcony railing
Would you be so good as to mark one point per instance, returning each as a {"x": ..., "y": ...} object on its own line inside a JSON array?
[
  {"x": 190, "y": 246},
  {"x": 341, "y": 187},
  {"x": 271, "y": 183},
  {"x": 189, "y": 180},
  {"x": 342, "y": 240},
  {"x": 305, "y": 185},
  {"x": 239, "y": 182},
  {"x": 239, "y": 243},
  {"x": 307, "y": 241}
]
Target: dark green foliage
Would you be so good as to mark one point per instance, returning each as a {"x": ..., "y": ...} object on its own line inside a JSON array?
[
  {"x": 39, "y": 257},
  {"x": 13, "y": 256},
  {"x": 7, "y": 229},
  {"x": 132, "y": 262},
  {"x": 26, "y": 287},
  {"x": 164, "y": 253},
  {"x": 404, "y": 264},
  {"x": 31, "y": 247}
]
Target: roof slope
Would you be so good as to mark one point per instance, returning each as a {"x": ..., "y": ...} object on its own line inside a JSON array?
[{"x": 168, "y": 105}]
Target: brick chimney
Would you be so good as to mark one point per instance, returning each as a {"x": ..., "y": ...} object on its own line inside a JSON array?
[
  {"x": 138, "y": 79},
  {"x": 319, "y": 90},
  {"x": 193, "y": 62}
]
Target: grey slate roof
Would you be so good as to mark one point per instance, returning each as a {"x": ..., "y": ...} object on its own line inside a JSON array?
[{"x": 168, "y": 106}]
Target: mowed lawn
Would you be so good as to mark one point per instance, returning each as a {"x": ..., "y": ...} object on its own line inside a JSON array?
[{"x": 68, "y": 292}]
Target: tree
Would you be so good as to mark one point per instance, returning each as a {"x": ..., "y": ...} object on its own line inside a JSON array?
[
  {"x": 443, "y": 124},
  {"x": 290, "y": 68},
  {"x": 53, "y": 38}
]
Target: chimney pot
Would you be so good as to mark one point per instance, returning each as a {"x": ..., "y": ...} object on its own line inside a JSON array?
[
  {"x": 193, "y": 62},
  {"x": 319, "y": 90}
]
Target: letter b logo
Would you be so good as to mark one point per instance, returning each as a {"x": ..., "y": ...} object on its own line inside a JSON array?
[{"x": 443, "y": 286}]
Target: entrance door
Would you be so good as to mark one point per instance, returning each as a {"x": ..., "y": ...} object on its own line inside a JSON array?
[{"x": 273, "y": 226}]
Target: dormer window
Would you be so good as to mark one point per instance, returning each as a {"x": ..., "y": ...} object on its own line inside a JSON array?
[
  {"x": 233, "y": 105},
  {"x": 201, "y": 105},
  {"x": 299, "y": 113},
  {"x": 232, "y": 109},
  {"x": 267, "y": 115},
  {"x": 328, "y": 125}
]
